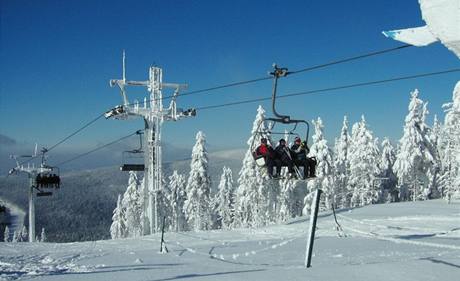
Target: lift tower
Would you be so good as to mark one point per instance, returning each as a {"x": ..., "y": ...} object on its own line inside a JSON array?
[
  {"x": 154, "y": 114},
  {"x": 35, "y": 174}
]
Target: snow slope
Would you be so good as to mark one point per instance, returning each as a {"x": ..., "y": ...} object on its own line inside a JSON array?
[
  {"x": 401, "y": 241},
  {"x": 16, "y": 216}
]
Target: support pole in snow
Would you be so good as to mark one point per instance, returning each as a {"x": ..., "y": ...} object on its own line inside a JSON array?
[
  {"x": 163, "y": 248},
  {"x": 31, "y": 210},
  {"x": 313, "y": 218},
  {"x": 338, "y": 227}
]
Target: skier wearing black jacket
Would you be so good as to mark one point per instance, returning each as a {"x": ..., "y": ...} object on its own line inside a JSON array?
[
  {"x": 283, "y": 155},
  {"x": 300, "y": 150}
]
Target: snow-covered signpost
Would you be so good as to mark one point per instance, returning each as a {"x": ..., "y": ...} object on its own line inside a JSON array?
[{"x": 313, "y": 218}]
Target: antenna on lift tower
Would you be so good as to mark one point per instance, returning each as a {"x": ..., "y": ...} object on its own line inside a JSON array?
[
  {"x": 154, "y": 114},
  {"x": 40, "y": 177}
]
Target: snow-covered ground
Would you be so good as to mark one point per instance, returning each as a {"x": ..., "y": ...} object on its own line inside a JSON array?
[
  {"x": 16, "y": 216},
  {"x": 403, "y": 241}
]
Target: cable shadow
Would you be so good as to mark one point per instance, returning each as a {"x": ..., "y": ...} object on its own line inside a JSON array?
[
  {"x": 114, "y": 269},
  {"x": 433, "y": 260},
  {"x": 141, "y": 265},
  {"x": 415, "y": 236},
  {"x": 185, "y": 276}
]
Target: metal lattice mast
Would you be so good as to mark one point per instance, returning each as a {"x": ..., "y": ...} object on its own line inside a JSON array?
[
  {"x": 32, "y": 171},
  {"x": 153, "y": 114}
]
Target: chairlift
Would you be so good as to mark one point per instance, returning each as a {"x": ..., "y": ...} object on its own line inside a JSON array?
[
  {"x": 266, "y": 127},
  {"x": 48, "y": 179},
  {"x": 133, "y": 160}
]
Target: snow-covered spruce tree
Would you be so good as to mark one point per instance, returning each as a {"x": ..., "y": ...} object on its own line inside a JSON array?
[
  {"x": 292, "y": 194},
  {"x": 177, "y": 199},
  {"x": 253, "y": 184},
  {"x": 364, "y": 156},
  {"x": 389, "y": 179},
  {"x": 451, "y": 147},
  {"x": 436, "y": 134},
  {"x": 417, "y": 155},
  {"x": 164, "y": 205},
  {"x": 131, "y": 208},
  {"x": 269, "y": 193},
  {"x": 197, "y": 205},
  {"x": 24, "y": 235},
  {"x": 16, "y": 236},
  {"x": 433, "y": 173},
  {"x": 145, "y": 224},
  {"x": 118, "y": 227},
  {"x": 43, "y": 235},
  {"x": 287, "y": 193},
  {"x": 324, "y": 169},
  {"x": 342, "y": 167},
  {"x": 454, "y": 191},
  {"x": 6, "y": 234},
  {"x": 224, "y": 200}
]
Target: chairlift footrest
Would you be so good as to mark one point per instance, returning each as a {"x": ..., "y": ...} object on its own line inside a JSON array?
[
  {"x": 132, "y": 167},
  {"x": 41, "y": 194}
]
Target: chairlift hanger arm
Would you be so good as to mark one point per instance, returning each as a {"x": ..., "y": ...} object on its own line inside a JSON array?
[
  {"x": 285, "y": 119},
  {"x": 277, "y": 73}
]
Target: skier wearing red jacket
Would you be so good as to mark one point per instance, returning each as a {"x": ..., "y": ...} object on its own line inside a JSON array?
[{"x": 266, "y": 151}]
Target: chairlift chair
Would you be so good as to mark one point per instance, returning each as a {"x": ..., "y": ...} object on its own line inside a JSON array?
[
  {"x": 133, "y": 160},
  {"x": 49, "y": 179},
  {"x": 265, "y": 129}
]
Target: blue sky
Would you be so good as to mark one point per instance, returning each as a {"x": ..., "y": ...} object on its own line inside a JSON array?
[{"x": 58, "y": 56}]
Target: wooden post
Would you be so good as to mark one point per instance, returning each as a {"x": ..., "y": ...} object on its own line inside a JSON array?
[
  {"x": 313, "y": 218},
  {"x": 163, "y": 248}
]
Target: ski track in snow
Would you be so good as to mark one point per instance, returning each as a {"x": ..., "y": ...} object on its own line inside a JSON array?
[
  {"x": 369, "y": 233},
  {"x": 30, "y": 265},
  {"x": 235, "y": 256}
]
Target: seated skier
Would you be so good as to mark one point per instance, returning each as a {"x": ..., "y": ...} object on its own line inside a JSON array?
[
  {"x": 266, "y": 151},
  {"x": 283, "y": 156},
  {"x": 311, "y": 162},
  {"x": 299, "y": 152}
]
